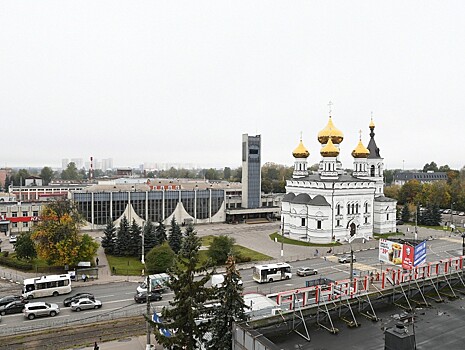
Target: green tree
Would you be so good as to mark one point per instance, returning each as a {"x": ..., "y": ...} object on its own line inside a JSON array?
[
  {"x": 405, "y": 213},
  {"x": 70, "y": 173},
  {"x": 46, "y": 174},
  {"x": 19, "y": 179},
  {"x": 430, "y": 167},
  {"x": 123, "y": 238},
  {"x": 409, "y": 192},
  {"x": 135, "y": 240},
  {"x": 160, "y": 233},
  {"x": 190, "y": 294},
  {"x": 8, "y": 183},
  {"x": 25, "y": 247},
  {"x": 57, "y": 236},
  {"x": 211, "y": 174},
  {"x": 230, "y": 309},
  {"x": 109, "y": 240},
  {"x": 160, "y": 258},
  {"x": 175, "y": 236},
  {"x": 227, "y": 173},
  {"x": 150, "y": 240},
  {"x": 220, "y": 248}
]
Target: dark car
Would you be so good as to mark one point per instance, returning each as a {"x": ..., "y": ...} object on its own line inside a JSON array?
[
  {"x": 10, "y": 298},
  {"x": 15, "y": 307},
  {"x": 76, "y": 297},
  {"x": 142, "y": 297}
]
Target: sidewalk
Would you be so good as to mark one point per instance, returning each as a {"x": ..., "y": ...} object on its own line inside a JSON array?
[{"x": 133, "y": 343}]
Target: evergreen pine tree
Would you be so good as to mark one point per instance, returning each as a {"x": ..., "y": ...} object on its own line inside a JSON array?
[
  {"x": 190, "y": 294},
  {"x": 175, "y": 237},
  {"x": 135, "y": 242},
  {"x": 149, "y": 236},
  {"x": 160, "y": 233},
  {"x": 108, "y": 241},
  {"x": 122, "y": 238},
  {"x": 231, "y": 308},
  {"x": 437, "y": 217},
  {"x": 405, "y": 216}
]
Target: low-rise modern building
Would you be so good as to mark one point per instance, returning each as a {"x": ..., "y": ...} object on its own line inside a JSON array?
[{"x": 430, "y": 176}]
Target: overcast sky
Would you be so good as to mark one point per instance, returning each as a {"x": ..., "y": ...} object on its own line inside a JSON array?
[{"x": 181, "y": 81}]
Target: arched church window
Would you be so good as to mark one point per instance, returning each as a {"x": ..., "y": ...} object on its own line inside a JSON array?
[
  {"x": 366, "y": 207},
  {"x": 353, "y": 208},
  {"x": 338, "y": 209},
  {"x": 372, "y": 171},
  {"x": 356, "y": 208}
]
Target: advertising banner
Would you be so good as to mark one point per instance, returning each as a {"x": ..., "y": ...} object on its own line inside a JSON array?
[
  {"x": 420, "y": 254},
  {"x": 407, "y": 256},
  {"x": 390, "y": 252}
]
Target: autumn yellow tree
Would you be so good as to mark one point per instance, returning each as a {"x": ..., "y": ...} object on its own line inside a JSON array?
[{"x": 57, "y": 236}]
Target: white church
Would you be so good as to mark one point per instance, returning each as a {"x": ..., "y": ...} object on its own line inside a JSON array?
[{"x": 329, "y": 205}]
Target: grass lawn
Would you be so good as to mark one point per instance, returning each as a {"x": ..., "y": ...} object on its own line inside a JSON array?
[
  {"x": 125, "y": 265},
  {"x": 238, "y": 249},
  {"x": 286, "y": 240},
  {"x": 440, "y": 228}
]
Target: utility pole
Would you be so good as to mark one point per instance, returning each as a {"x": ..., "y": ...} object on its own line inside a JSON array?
[
  {"x": 142, "y": 260},
  {"x": 148, "y": 346},
  {"x": 351, "y": 266},
  {"x": 282, "y": 239}
]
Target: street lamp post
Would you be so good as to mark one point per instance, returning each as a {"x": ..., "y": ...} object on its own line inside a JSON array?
[
  {"x": 463, "y": 243},
  {"x": 142, "y": 260},
  {"x": 351, "y": 265}
]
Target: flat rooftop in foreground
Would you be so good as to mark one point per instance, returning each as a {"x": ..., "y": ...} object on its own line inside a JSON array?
[{"x": 438, "y": 327}]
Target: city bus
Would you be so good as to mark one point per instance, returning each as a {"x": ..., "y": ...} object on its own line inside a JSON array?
[
  {"x": 271, "y": 272},
  {"x": 45, "y": 286}
]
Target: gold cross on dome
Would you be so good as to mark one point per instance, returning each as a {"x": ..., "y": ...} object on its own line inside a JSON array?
[{"x": 330, "y": 104}]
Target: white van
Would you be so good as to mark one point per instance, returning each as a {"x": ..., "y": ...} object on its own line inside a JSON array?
[{"x": 218, "y": 280}]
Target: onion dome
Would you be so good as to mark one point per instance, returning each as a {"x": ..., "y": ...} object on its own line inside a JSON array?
[
  {"x": 300, "y": 151},
  {"x": 330, "y": 131},
  {"x": 329, "y": 150},
  {"x": 360, "y": 151},
  {"x": 372, "y": 125}
]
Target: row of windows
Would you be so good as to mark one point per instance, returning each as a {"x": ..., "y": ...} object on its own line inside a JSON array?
[
  {"x": 18, "y": 224},
  {"x": 198, "y": 208},
  {"x": 352, "y": 208},
  {"x": 14, "y": 214},
  {"x": 338, "y": 222}
]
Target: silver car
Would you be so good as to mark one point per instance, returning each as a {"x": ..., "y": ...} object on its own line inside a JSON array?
[
  {"x": 39, "y": 309},
  {"x": 86, "y": 303}
]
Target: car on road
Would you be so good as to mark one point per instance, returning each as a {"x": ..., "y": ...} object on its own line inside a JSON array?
[
  {"x": 399, "y": 222},
  {"x": 461, "y": 213},
  {"x": 9, "y": 298},
  {"x": 15, "y": 307},
  {"x": 86, "y": 304},
  {"x": 346, "y": 259},
  {"x": 68, "y": 301},
  {"x": 13, "y": 239},
  {"x": 40, "y": 309},
  {"x": 306, "y": 271},
  {"x": 142, "y": 297}
]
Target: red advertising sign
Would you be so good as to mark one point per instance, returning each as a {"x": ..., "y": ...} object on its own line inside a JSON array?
[{"x": 408, "y": 256}]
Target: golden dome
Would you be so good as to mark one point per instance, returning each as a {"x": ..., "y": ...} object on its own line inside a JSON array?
[
  {"x": 372, "y": 125},
  {"x": 301, "y": 151},
  {"x": 329, "y": 150},
  {"x": 360, "y": 151},
  {"x": 330, "y": 131}
]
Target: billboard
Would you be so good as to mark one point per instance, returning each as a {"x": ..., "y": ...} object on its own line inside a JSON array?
[{"x": 402, "y": 254}]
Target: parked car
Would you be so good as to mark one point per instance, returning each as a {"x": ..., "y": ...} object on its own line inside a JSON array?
[
  {"x": 346, "y": 258},
  {"x": 40, "y": 309},
  {"x": 306, "y": 271},
  {"x": 15, "y": 307},
  {"x": 68, "y": 301},
  {"x": 85, "y": 304},
  {"x": 13, "y": 239},
  {"x": 461, "y": 213},
  {"x": 142, "y": 297},
  {"x": 399, "y": 222},
  {"x": 9, "y": 298}
]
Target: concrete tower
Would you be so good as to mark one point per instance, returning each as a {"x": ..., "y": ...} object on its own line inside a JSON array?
[{"x": 251, "y": 171}]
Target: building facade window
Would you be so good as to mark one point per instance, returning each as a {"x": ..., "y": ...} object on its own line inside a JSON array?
[
  {"x": 338, "y": 209},
  {"x": 14, "y": 224},
  {"x": 338, "y": 222},
  {"x": 366, "y": 208},
  {"x": 14, "y": 214},
  {"x": 25, "y": 224},
  {"x": 356, "y": 208},
  {"x": 318, "y": 224},
  {"x": 24, "y": 213},
  {"x": 366, "y": 220},
  {"x": 35, "y": 213},
  {"x": 387, "y": 217},
  {"x": 302, "y": 222}
]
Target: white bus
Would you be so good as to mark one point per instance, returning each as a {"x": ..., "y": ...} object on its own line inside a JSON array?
[
  {"x": 271, "y": 272},
  {"x": 45, "y": 286}
]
